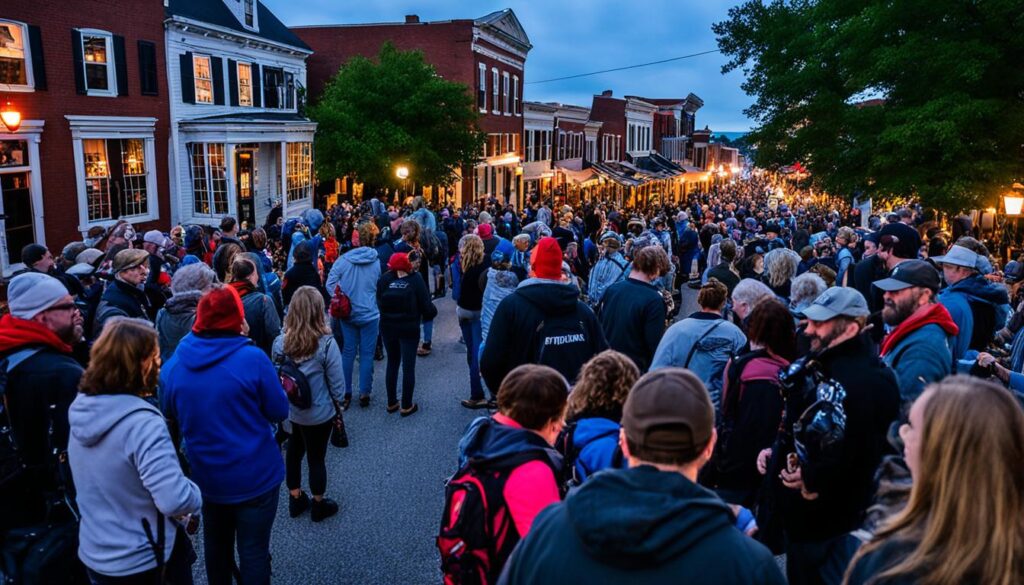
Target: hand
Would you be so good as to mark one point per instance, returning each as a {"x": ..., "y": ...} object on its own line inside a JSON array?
[
  {"x": 795, "y": 481},
  {"x": 985, "y": 359},
  {"x": 762, "y": 461}
]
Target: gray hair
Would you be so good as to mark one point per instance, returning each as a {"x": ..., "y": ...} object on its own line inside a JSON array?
[
  {"x": 780, "y": 265},
  {"x": 521, "y": 238},
  {"x": 750, "y": 291},
  {"x": 806, "y": 287},
  {"x": 194, "y": 277}
]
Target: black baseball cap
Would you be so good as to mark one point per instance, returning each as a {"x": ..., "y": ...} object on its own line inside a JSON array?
[{"x": 908, "y": 274}]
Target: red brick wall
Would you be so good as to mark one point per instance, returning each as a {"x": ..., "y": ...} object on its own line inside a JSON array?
[
  {"x": 143, "y": 21},
  {"x": 664, "y": 127},
  {"x": 612, "y": 112}
]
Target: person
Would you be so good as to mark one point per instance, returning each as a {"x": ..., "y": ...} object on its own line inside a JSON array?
[
  {"x": 176, "y": 317},
  {"x": 502, "y": 281},
  {"x": 751, "y": 404},
  {"x": 36, "y": 339},
  {"x": 517, "y": 444},
  {"x": 224, "y": 396},
  {"x": 38, "y": 258},
  {"x": 356, "y": 273},
  {"x": 964, "y": 437},
  {"x": 747, "y": 294},
  {"x": 866, "y": 272},
  {"x": 779, "y": 269},
  {"x": 978, "y": 307},
  {"x": 723, "y": 272},
  {"x": 651, "y": 523},
  {"x": 804, "y": 290},
  {"x": 302, "y": 273},
  {"x": 260, "y": 312},
  {"x": 128, "y": 482},
  {"x": 404, "y": 302},
  {"x": 845, "y": 240},
  {"x": 610, "y": 268},
  {"x": 307, "y": 341},
  {"x": 590, "y": 441},
  {"x": 633, "y": 312},
  {"x": 124, "y": 295},
  {"x": 702, "y": 342},
  {"x": 825, "y": 491},
  {"x": 469, "y": 305},
  {"x": 520, "y": 255},
  {"x": 411, "y": 244},
  {"x": 917, "y": 347},
  {"x": 548, "y": 322}
]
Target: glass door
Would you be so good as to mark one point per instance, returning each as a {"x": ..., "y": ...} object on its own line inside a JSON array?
[
  {"x": 19, "y": 230},
  {"x": 245, "y": 181}
]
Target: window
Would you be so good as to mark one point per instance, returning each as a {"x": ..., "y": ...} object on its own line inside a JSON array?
[
  {"x": 98, "y": 53},
  {"x": 481, "y": 89},
  {"x": 299, "y": 176},
  {"x": 148, "y": 83},
  {"x": 273, "y": 87},
  {"x": 97, "y": 179},
  {"x": 547, "y": 145},
  {"x": 201, "y": 72},
  {"x": 515, "y": 95},
  {"x": 504, "y": 88},
  {"x": 209, "y": 179},
  {"x": 133, "y": 169},
  {"x": 13, "y": 54},
  {"x": 494, "y": 90},
  {"x": 289, "y": 91},
  {"x": 561, "y": 145},
  {"x": 244, "y": 84},
  {"x": 116, "y": 178},
  {"x": 247, "y": 10},
  {"x": 528, "y": 142}
]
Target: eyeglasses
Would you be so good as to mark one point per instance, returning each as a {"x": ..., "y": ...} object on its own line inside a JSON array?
[{"x": 63, "y": 307}]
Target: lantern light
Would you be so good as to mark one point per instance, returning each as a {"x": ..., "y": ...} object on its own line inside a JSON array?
[
  {"x": 402, "y": 172},
  {"x": 10, "y": 116},
  {"x": 1013, "y": 203}
]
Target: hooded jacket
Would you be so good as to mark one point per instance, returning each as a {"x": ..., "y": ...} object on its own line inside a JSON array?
[
  {"x": 979, "y": 308},
  {"x": 639, "y": 526},
  {"x": 175, "y": 320},
  {"x": 357, "y": 273},
  {"x": 713, "y": 348},
  {"x": 918, "y": 349},
  {"x": 126, "y": 469},
  {"x": 500, "y": 284},
  {"x": 299, "y": 275},
  {"x": 224, "y": 395},
  {"x": 326, "y": 380},
  {"x": 595, "y": 440},
  {"x": 517, "y": 320},
  {"x": 608, "y": 270}
]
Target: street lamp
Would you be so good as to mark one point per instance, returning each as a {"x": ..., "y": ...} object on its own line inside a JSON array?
[
  {"x": 402, "y": 172},
  {"x": 1013, "y": 202},
  {"x": 10, "y": 116}
]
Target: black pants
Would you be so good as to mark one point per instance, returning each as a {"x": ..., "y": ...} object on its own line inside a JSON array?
[
  {"x": 311, "y": 442},
  {"x": 401, "y": 352},
  {"x": 805, "y": 561},
  {"x": 177, "y": 571}
]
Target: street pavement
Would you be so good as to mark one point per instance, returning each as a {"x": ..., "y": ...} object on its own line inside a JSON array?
[{"x": 389, "y": 483}]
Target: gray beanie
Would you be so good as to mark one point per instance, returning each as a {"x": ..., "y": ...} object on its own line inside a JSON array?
[
  {"x": 32, "y": 293},
  {"x": 194, "y": 277}
]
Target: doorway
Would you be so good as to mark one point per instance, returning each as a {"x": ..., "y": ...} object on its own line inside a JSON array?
[
  {"x": 19, "y": 230},
  {"x": 245, "y": 182}
]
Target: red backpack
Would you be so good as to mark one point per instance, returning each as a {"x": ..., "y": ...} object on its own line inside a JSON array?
[{"x": 341, "y": 305}]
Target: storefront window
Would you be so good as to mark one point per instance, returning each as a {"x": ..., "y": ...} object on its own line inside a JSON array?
[
  {"x": 209, "y": 179},
  {"x": 299, "y": 177},
  {"x": 97, "y": 179}
]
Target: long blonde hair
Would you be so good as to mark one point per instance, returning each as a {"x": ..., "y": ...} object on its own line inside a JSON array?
[
  {"x": 471, "y": 251},
  {"x": 305, "y": 324},
  {"x": 967, "y": 502}
]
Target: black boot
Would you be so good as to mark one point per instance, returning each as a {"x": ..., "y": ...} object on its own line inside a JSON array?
[
  {"x": 323, "y": 509},
  {"x": 297, "y": 506}
]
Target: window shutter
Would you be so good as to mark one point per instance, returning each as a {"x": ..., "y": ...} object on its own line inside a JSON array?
[
  {"x": 35, "y": 43},
  {"x": 76, "y": 52},
  {"x": 233, "y": 82},
  {"x": 188, "y": 83},
  {"x": 257, "y": 85},
  {"x": 217, "y": 71},
  {"x": 120, "y": 66},
  {"x": 147, "y": 68}
]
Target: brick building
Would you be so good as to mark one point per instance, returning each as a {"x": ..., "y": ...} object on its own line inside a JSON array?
[
  {"x": 92, "y": 146},
  {"x": 487, "y": 54}
]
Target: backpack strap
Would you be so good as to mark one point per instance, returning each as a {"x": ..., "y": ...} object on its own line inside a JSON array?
[{"x": 696, "y": 344}]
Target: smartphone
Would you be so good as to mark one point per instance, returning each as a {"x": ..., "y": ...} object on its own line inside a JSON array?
[{"x": 792, "y": 463}]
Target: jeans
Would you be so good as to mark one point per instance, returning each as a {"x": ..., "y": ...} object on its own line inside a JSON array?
[
  {"x": 471, "y": 333},
  {"x": 246, "y": 525},
  {"x": 311, "y": 442},
  {"x": 177, "y": 570},
  {"x": 401, "y": 352},
  {"x": 428, "y": 331},
  {"x": 364, "y": 338}
]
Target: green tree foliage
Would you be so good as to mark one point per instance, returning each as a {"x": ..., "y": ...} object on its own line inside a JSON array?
[
  {"x": 376, "y": 115},
  {"x": 948, "y": 122}
]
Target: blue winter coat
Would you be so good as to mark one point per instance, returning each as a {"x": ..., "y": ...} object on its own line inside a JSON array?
[
  {"x": 596, "y": 440},
  {"x": 957, "y": 299},
  {"x": 920, "y": 358}
]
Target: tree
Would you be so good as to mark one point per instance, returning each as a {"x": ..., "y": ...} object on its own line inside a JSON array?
[
  {"x": 947, "y": 126},
  {"x": 374, "y": 116}
]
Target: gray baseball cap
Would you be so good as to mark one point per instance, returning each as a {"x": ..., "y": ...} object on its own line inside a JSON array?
[
  {"x": 958, "y": 256},
  {"x": 837, "y": 301}
]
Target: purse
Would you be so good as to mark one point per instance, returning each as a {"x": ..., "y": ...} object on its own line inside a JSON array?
[
  {"x": 339, "y": 437},
  {"x": 341, "y": 305}
]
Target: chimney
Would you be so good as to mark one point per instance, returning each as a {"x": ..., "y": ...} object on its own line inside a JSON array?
[
  {"x": 412, "y": 19},
  {"x": 606, "y": 93}
]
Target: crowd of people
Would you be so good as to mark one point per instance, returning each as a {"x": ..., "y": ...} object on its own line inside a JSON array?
[{"x": 844, "y": 388}]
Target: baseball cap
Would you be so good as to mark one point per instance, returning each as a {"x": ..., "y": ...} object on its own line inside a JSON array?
[
  {"x": 155, "y": 237},
  {"x": 669, "y": 411},
  {"x": 1013, "y": 271},
  {"x": 908, "y": 274},
  {"x": 959, "y": 256},
  {"x": 908, "y": 241},
  {"x": 837, "y": 301}
]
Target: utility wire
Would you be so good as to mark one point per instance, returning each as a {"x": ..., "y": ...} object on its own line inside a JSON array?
[{"x": 623, "y": 68}]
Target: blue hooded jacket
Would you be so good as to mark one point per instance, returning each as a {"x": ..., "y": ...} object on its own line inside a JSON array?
[
  {"x": 957, "y": 299},
  {"x": 357, "y": 272},
  {"x": 596, "y": 440},
  {"x": 224, "y": 394}
]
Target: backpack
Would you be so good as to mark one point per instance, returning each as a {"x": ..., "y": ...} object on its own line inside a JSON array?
[
  {"x": 341, "y": 305},
  {"x": 570, "y": 451},
  {"x": 561, "y": 342},
  {"x": 477, "y": 532},
  {"x": 295, "y": 384},
  {"x": 432, "y": 247}
]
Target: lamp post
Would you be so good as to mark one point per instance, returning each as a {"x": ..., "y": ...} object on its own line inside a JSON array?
[
  {"x": 402, "y": 172},
  {"x": 1013, "y": 201},
  {"x": 10, "y": 116}
]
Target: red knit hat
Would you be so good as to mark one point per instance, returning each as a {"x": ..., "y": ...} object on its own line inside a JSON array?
[
  {"x": 399, "y": 261},
  {"x": 485, "y": 231},
  {"x": 546, "y": 259},
  {"x": 220, "y": 309}
]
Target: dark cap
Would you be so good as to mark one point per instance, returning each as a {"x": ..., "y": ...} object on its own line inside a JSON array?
[
  {"x": 908, "y": 241},
  {"x": 908, "y": 274},
  {"x": 669, "y": 411}
]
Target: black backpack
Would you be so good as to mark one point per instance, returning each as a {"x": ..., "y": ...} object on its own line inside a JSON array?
[
  {"x": 562, "y": 342},
  {"x": 432, "y": 247},
  {"x": 11, "y": 465},
  {"x": 295, "y": 383}
]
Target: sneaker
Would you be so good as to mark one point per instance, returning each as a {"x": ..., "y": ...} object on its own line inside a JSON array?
[
  {"x": 323, "y": 509},
  {"x": 297, "y": 506},
  {"x": 424, "y": 350},
  {"x": 492, "y": 404},
  {"x": 408, "y": 411},
  {"x": 364, "y": 400},
  {"x": 475, "y": 403},
  {"x": 393, "y": 408}
]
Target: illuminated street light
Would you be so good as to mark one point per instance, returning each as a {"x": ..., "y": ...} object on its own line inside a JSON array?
[
  {"x": 10, "y": 117},
  {"x": 402, "y": 172}
]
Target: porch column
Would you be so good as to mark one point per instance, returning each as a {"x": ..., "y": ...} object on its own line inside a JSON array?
[
  {"x": 282, "y": 177},
  {"x": 230, "y": 172}
]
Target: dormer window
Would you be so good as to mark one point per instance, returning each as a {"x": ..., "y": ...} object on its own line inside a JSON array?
[{"x": 247, "y": 9}]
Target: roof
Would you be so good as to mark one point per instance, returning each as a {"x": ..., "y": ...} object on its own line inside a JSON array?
[
  {"x": 505, "y": 24},
  {"x": 280, "y": 117},
  {"x": 614, "y": 172},
  {"x": 215, "y": 12}
]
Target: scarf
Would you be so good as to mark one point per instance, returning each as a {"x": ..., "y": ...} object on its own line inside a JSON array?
[{"x": 926, "y": 315}]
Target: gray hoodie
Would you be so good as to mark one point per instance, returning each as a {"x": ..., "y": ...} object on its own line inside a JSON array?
[
  {"x": 357, "y": 272},
  {"x": 125, "y": 469},
  {"x": 716, "y": 342},
  {"x": 326, "y": 379}
]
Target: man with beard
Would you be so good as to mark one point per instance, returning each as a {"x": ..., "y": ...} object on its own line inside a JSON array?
[
  {"x": 917, "y": 349},
  {"x": 822, "y": 490},
  {"x": 42, "y": 381}
]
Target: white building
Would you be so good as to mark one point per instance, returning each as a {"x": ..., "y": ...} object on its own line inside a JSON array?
[
  {"x": 538, "y": 125},
  {"x": 639, "y": 126},
  {"x": 239, "y": 145}
]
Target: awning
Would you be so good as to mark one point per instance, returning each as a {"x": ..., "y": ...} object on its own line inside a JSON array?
[
  {"x": 616, "y": 175},
  {"x": 692, "y": 169},
  {"x": 657, "y": 166},
  {"x": 577, "y": 177}
]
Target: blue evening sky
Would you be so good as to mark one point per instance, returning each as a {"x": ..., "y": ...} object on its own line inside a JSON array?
[{"x": 580, "y": 36}]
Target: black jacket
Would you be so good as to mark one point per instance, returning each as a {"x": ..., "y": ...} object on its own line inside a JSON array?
[
  {"x": 302, "y": 274},
  {"x": 725, "y": 275},
  {"x": 639, "y": 526},
  {"x": 120, "y": 299},
  {"x": 404, "y": 303},
  {"x": 471, "y": 291},
  {"x": 633, "y": 319}
]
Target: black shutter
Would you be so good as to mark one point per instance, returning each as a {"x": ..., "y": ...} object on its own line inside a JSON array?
[
  {"x": 121, "y": 66},
  {"x": 188, "y": 83},
  {"x": 217, "y": 70},
  {"x": 257, "y": 85},
  {"x": 35, "y": 44},
  {"x": 76, "y": 52},
  {"x": 233, "y": 82},
  {"x": 147, "y": 68}
]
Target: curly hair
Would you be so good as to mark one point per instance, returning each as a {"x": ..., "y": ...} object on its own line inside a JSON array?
[{"x": 603, "y": 385}]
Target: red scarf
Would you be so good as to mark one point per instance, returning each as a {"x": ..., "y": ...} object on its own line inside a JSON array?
[
  {"x": 926, "y": 315},
  {"x": 242, "y": 287},
  {"x": 15, "y": 333}
]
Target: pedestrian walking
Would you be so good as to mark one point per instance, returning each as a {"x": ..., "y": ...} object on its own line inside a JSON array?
[
  {"x": 632, "y": 311},
  {"x": 468, "y": 309}
]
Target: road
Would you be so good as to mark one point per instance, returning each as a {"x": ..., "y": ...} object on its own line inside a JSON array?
[{"x": 389, "y": 482}]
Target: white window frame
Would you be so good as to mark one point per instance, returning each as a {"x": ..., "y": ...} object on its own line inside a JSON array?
[
  {"x": 238, "y": 78},
  {"x": 482, "y": 88},
  {"x": 111, "y": 65},
  {"x": 255, "y": 22},
  {"x": 516, "y": 111},
  {"x": 496, "y": 82},
  {"x": 505, "y": 102},
  {"x": 528, "y": 146},
  {"x": 30, "y": 82},
  {"x": 547, "y": 145},
  {"x": 196, "y": 78},
  {"x": 290, "y": 158}
]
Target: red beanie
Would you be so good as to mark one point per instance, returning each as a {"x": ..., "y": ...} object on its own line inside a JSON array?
[
  {"x": 399, "y": 261},
  {"x": 485, "y": 231},
  {"x": 220, "y": 309},
  {"x": 546, "y": 259}
]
